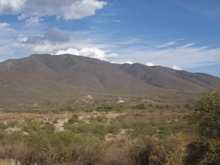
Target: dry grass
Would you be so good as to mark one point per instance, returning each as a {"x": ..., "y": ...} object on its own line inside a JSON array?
[{"x": 5, "y": 162}]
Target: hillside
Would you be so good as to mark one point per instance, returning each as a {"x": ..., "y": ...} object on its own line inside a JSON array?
[
  {"x": 171, "y": 79},
  {"x": 59, "y": 78}
]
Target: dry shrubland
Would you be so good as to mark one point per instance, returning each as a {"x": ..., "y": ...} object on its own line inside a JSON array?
[{"x": 144, "y": 134}]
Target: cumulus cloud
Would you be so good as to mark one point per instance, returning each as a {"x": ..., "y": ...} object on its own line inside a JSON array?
[
  {"x": 34, "y": 21},
  {"x": 52, "y": 36},
  {"x": 176, "y": 68},
  {"x": 89, "y": 52},
  {"x": 124, "y": 62},
  {"x": 97, "y": 53},
  {"x": 68, "y": 51},
  {"x": 67, "y": 9},
  {"x": 5, "y": 50},
  {"x": 5, "y": 28},
  {"x": 149, "y": 64},
  {"x": 57, "y": 35}
]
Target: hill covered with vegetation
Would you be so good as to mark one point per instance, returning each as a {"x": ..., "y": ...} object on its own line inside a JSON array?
[{"x": 39, "y": 79}]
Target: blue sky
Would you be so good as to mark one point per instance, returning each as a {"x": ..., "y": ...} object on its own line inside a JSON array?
[{"x": 179, "y": 34}]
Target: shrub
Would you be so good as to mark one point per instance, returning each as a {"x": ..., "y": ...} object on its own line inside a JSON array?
[
  {"x": 73, "y": 119},
  {"x": 3, "y": 126},
  {"x": 48, "y": 128},
  {"x": 99, "y": 129},
  {"x": 114, "y": 129},
  {"x": 31, "y": 127},
  {"x": 140, "y": 106},
  {"x": 104, "y": 109},
  {"x": 101, "y": 119},
  {"x": 49, "y": 148},
  {"x": 63, "y": 147},
  {"x": 142, "y": 129},
  {"x": 206, "y": 117}
]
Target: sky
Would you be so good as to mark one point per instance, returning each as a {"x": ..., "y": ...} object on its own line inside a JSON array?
[{"x": 179, "y": 34}]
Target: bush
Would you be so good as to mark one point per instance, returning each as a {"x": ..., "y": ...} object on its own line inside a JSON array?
[
  {"x": 63, "y": 147},
  {"x": 73, "y": 119},
  {"x": 101, "y": 119},
  {"x": 48, "y": 128},
  {"x": 140, "y": 106},
  {"x": 114, "y": 129},
  {"x": 104, "y": 109},
  {"x": 31, "y": 127},
  {"x": 3, "y": 126},
  {"x": 49, "y": 148},
  {"x": 206, "y": 117},
  {"x": 142, "y": 129}
]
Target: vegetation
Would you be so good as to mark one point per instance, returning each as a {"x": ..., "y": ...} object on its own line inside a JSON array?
[
  {"x": 206, "y": 148},
  {"x": 142, "y": 134}
]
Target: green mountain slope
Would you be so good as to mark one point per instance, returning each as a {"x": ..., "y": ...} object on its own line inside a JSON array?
[{"x": 62, "y": 77}]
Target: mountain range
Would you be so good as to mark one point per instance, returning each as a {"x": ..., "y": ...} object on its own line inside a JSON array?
[{"x": 40, "y": 77}]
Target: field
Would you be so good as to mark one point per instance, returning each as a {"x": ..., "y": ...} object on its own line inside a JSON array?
[{"x": 124, "y": 134}]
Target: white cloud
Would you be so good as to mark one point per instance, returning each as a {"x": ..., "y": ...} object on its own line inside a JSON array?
[
  {"x": 4, "y": 28},
  {"x": 167, "y": 44},
  {"x": 187, "y": 45},
  {"x": 117, "y": 20},
  {"x": 176, "y": 68},
  {"x": 52, "y": 36},
  {"x": 34, "y": 21},
  {"x": 89, "y": 52},
  {"x": 11, "y": 7},
  {"x": 5, "y": 50},
  {"x": 190, "y": 55},
  {"x": 67, "y": 9},
  {"x": 68, "y": 51},
  {"x": 124, "y": 62},
  {"x": 181, "y": 56},
  {"x": 97, "y": 53},
  {"x": 170, "y": 43},
  {"x": 149, "y": 64}
]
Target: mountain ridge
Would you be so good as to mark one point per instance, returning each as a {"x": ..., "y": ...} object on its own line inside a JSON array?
[{"x": 59, "y": 76}]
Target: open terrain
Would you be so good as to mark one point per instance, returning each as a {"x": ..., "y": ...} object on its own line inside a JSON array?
[
  {"x": 104, "y": 130},
  {"x": 41, "y": 81},
  {"x": 62, "y": 110}
]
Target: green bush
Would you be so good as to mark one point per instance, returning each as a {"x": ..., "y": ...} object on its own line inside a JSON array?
[
  {"x": 74, "y": 119},
  {"x": 3, "y": 126},
  {"x": 88, "y": 110},
  {"x": 49, "y": 148},
  {"x": 99, "y": 129},
  {"x": 206, "y": 117},
  {"x": 31, "y": 127},
  {"x": 114, "y": 129},
  {"x": 142, "y": 129},
  {"x": 63, "y": 147},
  {"x": 48, "y": 128},
  {"x": 104, "y": 109},
  {"x": 101, "y": 119},
  {"x": 83, "y": 128},
  {"x": 140, "y": 106},
  {"x": 71, "y": 109}
]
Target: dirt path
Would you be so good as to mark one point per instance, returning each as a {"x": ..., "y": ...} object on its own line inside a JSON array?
[{"x": 59, "y": 125}]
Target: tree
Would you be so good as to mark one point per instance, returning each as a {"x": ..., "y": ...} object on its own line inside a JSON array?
[{"x": 206, "y": 116}]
